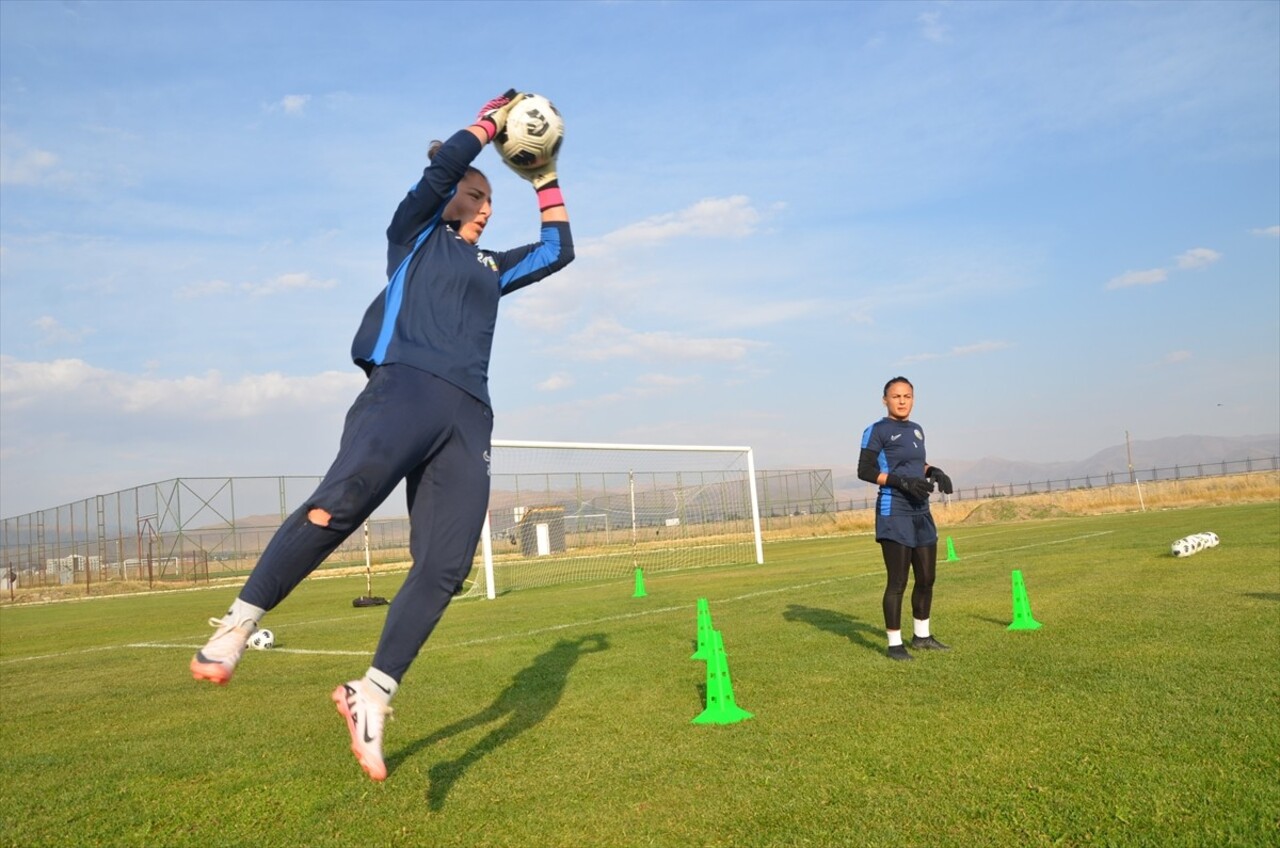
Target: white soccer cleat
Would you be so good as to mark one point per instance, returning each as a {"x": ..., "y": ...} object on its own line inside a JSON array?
[
  {"x": 365, "y": 719},
  {"x": 216, "y": 661}
]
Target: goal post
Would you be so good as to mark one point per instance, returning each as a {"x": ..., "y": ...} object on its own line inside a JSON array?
[{"x": 578, "y": 511}]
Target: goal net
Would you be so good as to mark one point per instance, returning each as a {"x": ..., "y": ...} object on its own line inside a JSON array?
[{"x": 574, "y": 511}]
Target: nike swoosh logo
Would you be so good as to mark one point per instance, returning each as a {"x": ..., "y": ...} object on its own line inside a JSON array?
[
  {"x": 895, "y": 437},
  {"x": 380, "y": 686},
  {"x": 368, "y": 740}
]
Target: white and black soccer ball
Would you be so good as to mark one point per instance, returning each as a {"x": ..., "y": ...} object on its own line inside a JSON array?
[
  {"x": 533, "y": 134},
  {"x": 262, "y": 639},
  {"x": 1213, "y": 539},
  {"x": 1182, "y": 548}
]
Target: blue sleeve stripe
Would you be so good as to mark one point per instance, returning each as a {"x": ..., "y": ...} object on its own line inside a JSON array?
[
  {"x": 540, "y": 257},
  {"x": 395, "y": 297}
]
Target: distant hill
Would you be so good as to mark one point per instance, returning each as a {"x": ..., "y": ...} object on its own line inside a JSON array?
[{"x": 1156, "y": 453}]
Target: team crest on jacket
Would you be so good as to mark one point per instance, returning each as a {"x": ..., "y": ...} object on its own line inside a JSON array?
[
  {"x": 487, "y": 261},
  {"x": 919, "y": 435}
]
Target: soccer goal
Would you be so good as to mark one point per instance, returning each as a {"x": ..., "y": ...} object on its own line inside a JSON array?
[{"x": 573, "y": 511}]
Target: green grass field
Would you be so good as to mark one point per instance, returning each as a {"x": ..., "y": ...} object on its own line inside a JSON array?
[{"x": 1145, "y": 711}]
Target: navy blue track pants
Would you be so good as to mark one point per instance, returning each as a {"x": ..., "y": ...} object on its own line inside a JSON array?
[{"x": 410, "y": 425}]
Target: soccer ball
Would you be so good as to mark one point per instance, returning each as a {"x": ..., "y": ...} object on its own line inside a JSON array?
[
  {"x": 1182, "y": 548},
  {"x": 262, "y": 639},
  {"x": 1213, "y": 539},
  {"x": 533, "y": 133}
]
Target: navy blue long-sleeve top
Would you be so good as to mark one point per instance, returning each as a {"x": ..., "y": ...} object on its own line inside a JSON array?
[{"x": 440, "y": 305}]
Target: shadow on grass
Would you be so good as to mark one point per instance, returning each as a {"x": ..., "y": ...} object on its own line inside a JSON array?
[
  {"x": 1263, "y": 596},
  {"x": 839, "y": 623},
  {"x": 530, "y": 697},
  {"x": 1002, "y": 622}
]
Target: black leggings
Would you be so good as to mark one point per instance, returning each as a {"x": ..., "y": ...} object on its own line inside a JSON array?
[{"x": 898, "y": 560}]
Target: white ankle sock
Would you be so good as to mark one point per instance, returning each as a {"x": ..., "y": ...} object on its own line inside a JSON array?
[
  {"x": 922, "y": 627},
  {"x": 381, "y": 686},
  {"x": 240, "y": 611},
  {"x": 895, "y": 637}
]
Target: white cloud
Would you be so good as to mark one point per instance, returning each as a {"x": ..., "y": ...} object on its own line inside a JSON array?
[
  {"x": 1174, "y": 357},
  {"x": 101, "y": 392},
  {"x": 555, "y": 383},
  {"x": 605, "y": 338},
  {"x": 1272, "y": 232},
  {"x": 931, "y": 26},
  {"x": 27, "y": 167},
  {"x": 293, "y": 104},
  {"x": 281, "y": 284},
  {"x": 209, "y": 288},
  {"x": 1138, "y": 278},
  {"x": 714, "y": 217},
  {"x": 958, "y": 351},
  {"x": 667, "y": 381},
  {"x": 1198, "y": 257},
  {"x": 54, "y": 332},
  {"x": 287, "y": 283}
]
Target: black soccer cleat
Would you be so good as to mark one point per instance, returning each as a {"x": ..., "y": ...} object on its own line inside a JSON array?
[
  {"x": 928, "y": 643},
  {"x": 899, "y": 653}
]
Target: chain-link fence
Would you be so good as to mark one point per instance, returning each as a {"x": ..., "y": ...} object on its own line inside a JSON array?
[
  {"x": 1091, "y": 481},
  {"x": 195, "y": 529}
]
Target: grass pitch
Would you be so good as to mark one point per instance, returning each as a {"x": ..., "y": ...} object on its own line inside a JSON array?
[{"x": 1145, "y": 711}]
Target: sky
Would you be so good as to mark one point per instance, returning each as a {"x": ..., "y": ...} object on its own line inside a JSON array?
[{"x": 1060, "y": 220}]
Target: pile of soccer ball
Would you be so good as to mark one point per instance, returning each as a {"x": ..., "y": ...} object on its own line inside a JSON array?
[
  {"x": 1194, "y": 544},
  {"x": 262, "y": 639},
  {"x": 533, "y": 133}
]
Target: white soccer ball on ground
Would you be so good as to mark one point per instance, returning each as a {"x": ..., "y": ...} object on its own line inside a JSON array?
[
  {"x": 1182, "y": 548},
  {"x": 1213, "y": 539},
  {"x": 533, "y": 133},
  {"x": 262, "y": 639}
]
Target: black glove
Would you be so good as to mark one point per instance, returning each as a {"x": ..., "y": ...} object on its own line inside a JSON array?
[
  {"x": 938, "y": 476},
  {"x": 916, "y": 488}
]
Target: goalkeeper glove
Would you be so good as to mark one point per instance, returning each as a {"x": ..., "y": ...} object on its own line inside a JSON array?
[
  {"x": 916, "y": 488},
  {"x": 493, "y": 115},
  {"x": 938, "y": 476},
  {"x": 545, "y": 182}
]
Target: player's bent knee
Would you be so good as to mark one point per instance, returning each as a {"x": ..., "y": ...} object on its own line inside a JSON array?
[{"x": 319, "y": 517}]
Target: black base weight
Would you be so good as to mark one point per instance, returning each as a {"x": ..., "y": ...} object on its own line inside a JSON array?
[{"x": 369, "y": 601}]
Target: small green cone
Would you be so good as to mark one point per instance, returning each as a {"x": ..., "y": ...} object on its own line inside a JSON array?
[
  {"x": 705, "y": 639},
  {"x": 1022, "y": 619},
  {"x": 640, "y": 592},
  {"x": 721, "y": 708},
  {"x": 951, "y": 551}
]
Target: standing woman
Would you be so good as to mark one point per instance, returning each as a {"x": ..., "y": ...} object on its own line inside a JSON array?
[
  {"x": 423, "y": 417},
  {"x": 893, "y": 458}
]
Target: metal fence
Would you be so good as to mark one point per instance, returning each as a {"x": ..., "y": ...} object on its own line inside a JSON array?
[
  {"x": 1092, "y": 481},
  {"x": 197, "y": 528}
]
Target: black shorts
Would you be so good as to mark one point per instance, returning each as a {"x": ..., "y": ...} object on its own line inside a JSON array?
[{"x": 914, "y": 530}]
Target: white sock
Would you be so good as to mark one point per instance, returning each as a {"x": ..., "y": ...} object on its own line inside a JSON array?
[
  {"x": 922, "y": 627},
  {"x": 382, "y": 687},
  {"x": 240, "y": 611},
  {"x": 895, "y": 637}
]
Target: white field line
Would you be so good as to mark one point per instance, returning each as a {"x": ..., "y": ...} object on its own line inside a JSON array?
[{"x": 555, "y": 628}]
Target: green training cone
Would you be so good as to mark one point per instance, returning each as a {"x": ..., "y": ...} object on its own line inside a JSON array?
[
  {"x": 1022, "y": 619},
  {"x": 705, "y": 639},
  {"x": 951, "y": 551},
  {"x": 721, "y": 708},
  {"x": 640, "y": 592}
]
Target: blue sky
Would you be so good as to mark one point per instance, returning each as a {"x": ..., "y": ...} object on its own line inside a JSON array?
[{"x": 1060, "y": 220}]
